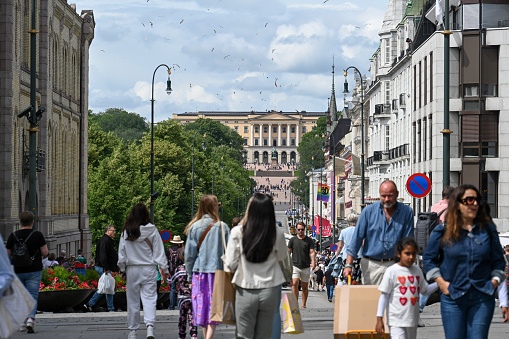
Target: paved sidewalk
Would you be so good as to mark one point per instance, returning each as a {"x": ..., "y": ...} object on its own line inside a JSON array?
[{"x": 317, "y": 318}]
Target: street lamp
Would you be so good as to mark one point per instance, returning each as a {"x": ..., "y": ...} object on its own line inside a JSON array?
[
  {"x": 222, "y": 189},
  {"x": 231, "y": 204},
  {"x": 213, "y": 160},
  {"x": 204, "y": 146},
  {"x": 153, "y": 195},
  {"x": 345, "y": 92},
  {"x": 333, "y": 205}
]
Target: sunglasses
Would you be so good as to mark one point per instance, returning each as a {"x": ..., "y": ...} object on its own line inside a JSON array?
[
  {"x": 470, "y": 200},
  {"x": 300, "y": 229}
]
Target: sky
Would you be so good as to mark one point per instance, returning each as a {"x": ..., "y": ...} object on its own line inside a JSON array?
[{"x": 227, "y": 55}]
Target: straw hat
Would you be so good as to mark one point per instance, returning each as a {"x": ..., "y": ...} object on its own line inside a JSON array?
[{"x": 177, "y": 240}]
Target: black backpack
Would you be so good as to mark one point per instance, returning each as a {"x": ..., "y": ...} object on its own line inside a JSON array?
[
  {"x": 20, "y": 253},
  {"x": 426, "y": 223}
]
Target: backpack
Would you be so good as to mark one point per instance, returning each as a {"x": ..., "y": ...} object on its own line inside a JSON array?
[
  {"x": 173, "y": 260},
  {"x": 426, "y": 223},
  {"x": 21, "y": 254}
]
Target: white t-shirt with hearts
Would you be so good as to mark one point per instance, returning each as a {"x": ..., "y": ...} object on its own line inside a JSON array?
[{"x": 403, "y": 285}]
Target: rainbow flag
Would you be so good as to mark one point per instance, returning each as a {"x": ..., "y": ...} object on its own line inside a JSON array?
[{"x": 323, "y": 193}]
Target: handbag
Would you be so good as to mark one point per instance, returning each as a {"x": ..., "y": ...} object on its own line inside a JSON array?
[
  {"x": 15, "y": 305},
  {"x": 106, "y": 284},
  {"x": 292, "y": 320},
  {"x": 287, "y": 267},
  {"x": 223, "y": 295}
]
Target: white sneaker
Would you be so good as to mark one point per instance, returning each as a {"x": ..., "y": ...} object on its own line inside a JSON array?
[
  {"x": 150, "y": 332},
  {"x": 30, "y": 325},
  {"x": 132, "y": 334}
]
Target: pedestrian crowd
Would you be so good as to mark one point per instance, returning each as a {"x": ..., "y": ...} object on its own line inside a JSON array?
[{"x": 463, "y": 261}]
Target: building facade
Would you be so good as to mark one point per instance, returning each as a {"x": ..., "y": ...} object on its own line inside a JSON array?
[
  {"x": 262, "y": 131},
  {"x": 63, "y": 41}
]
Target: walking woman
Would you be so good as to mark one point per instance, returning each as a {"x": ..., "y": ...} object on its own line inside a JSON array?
[
  {"x": 465, "y": 258},
  {"x": 139, "y": 252},
  {"x": 203, "y": 257},
  {"x": 253, "y": 253}
]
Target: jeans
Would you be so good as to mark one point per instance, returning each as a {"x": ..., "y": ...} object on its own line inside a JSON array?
[
  {"x": 276, "y": 324},
  {"x": 423, "y": 300},
  {"x": 173, "y": 295},
  {"x": 97, "y": 296},
  {"x": 468, "y": 316},
  {"x": 330, "y": 291},
  {"x": 32, "y": 282}
]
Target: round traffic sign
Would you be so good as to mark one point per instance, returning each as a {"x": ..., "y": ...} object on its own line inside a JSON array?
[
  {"x": 165, "y": 235},
  {"x": 333, "y": 247},
  {"x": 313, "y": 228},
  {"x": 418, "y": 185}
]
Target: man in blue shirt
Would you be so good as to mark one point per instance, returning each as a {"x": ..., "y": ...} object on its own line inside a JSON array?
[{"x": 380, "y": 226}]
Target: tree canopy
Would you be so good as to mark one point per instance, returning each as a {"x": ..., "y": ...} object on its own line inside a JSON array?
[{"x": 127, "y": 126}]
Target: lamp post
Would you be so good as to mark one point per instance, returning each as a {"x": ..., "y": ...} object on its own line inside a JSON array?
[
  {"x": 312, "y": 190},
  {"x": 213, "y": 160},
  {"x": 222, "y": 189},
  {"x": 204, "y": 146},
  {"x": 231, "y": 204},
  {"x": 362, "y": 128},
  {"x": 333, "y": 205},
  {"x": 153, "y": 195}
]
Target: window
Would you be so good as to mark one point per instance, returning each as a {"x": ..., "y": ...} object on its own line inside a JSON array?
[
  {"x": 245, "y": 141},
  {"x": 256, "y": 142},
  {"x": 284, "y": 129},
  {"x": 293, "y": 129},
  {"x": 479, "y": 135},
  {"x": 245, "y": 129},
  {"x": 387, "y": 137},
  {"x": 424, "y": 138},
  {"x": 489, "y": 191},
  {"x": 414, "y": 141},
  {"x": 265, "y": 142},
  {"x": 420, "y": 84},
  {"x": 419, "y": 153},
  {"x": 284, "y": 142},
  {"x": 293, "y": 141},
  {"x": 425, "y": 81},
  {"x": 387, "y": 92},
  {"x": 274, "y": 129},
  {"x": 265, "y": 129},
  {"x": 415, "y": 88},
  {"x": 430, "y": 123},
  {"x": 470, "y": 90},
  {"x": 303, "y": 129},
  {"x": 257, "y": 129},
  {"x": 431, "y": 76},
  {"x": 274, "y": 142},
  {"x": 387, "y": 51},
  {"x": 237, "y": 129}
]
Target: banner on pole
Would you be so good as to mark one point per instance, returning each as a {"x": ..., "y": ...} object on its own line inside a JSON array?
[{"x": 323, "y": 193}]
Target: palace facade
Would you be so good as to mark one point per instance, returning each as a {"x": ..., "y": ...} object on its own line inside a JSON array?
[{"x": 264, "y": 130}]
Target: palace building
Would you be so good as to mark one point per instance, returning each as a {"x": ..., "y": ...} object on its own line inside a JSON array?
[{"x": 264, "y": 130}]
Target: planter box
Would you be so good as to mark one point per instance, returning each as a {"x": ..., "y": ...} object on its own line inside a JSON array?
[{"x": 62, "y": 300}]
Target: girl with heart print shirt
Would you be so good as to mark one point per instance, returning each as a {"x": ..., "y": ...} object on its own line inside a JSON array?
[{"x": 400, "y": 287}]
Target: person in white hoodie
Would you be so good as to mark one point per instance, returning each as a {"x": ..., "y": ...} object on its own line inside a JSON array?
[{"x": 139, "y": 251}]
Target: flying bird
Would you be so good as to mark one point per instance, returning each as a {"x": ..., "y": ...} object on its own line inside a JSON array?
[
  {"x": 266, "y": 24},
  {"x": 226, "y": 56},
  {"x": 212, "y": 50},
  {"x": 143, "y": 24},
  {"x": 325, "y": 1},
  {"x": 176, "y": 65},
  {"x": 273, "y": 50},
  {"x": 181, "y": 20},
  {"x": 151, "y": 24}
]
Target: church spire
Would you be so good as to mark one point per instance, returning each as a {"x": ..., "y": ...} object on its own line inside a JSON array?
[{"x": 333, "y": 110}]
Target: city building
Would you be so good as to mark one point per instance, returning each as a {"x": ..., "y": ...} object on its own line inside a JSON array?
[
  {"x": 406, "y": 100},
  {"x": 264, "y": 130},
  {"x": 63, "y": 40}
]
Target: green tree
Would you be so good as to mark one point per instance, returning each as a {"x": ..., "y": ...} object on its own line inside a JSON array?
[{"x": 127, "y": 126}]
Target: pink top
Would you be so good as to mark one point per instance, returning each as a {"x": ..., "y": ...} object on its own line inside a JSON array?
[{"x": 439, "y": 207}]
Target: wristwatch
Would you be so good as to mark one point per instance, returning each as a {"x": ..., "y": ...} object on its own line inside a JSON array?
[{"x": 348, "y": 266}]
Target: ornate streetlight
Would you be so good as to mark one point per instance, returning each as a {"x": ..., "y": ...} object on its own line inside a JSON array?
[
  {"x": 153, "y": 196},
  {"x": 204, "y": 146},
  {"x": 362, "y": 128}
]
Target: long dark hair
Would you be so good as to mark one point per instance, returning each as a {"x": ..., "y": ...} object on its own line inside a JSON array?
[
  {"x": 138, "y": 215},
  {"x": 259, "y": 231},
  {"x": 454, "y": 219}
]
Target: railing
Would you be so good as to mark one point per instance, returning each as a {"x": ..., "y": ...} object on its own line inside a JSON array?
[{"x": 399, "y": 151}]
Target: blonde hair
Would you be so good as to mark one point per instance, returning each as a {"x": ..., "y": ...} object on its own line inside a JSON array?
[
  {"x": 244, "y": 219},
  {"x": 208, "y": 205}
]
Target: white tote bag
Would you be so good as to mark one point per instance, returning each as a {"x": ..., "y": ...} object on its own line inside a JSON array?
[
  {"x": 15, "y": 305},
  {"x": 106, "y": 284}
]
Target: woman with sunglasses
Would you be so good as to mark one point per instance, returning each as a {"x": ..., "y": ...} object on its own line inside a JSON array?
[
  {"x": 253, "y": 253},
  {"x": 465, "y": 258}
]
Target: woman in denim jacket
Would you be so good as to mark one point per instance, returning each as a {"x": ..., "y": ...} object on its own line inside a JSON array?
[
  {"x": 203, "y": 261},
  {"x": 465, "y": 258}
]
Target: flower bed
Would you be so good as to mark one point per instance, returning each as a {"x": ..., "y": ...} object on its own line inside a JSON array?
[{"x": 59, "y": 278}]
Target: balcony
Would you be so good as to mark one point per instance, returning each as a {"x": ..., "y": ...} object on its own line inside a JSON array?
[
  {"x": 400, "y": 151},
  {"x": 381, "y": 112},
  {"x": 402, "y": 100}
]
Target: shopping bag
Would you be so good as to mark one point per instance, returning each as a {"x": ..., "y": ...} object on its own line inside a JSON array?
[
  {"x": 15, "y": 305},
  {"x": 287, "y": 267},
  {"x": 106, "y": 284},
  {"x": 223, "y": 298},
  {"x": 292, "y": 321},
  {"x": 355, "y": 310}
]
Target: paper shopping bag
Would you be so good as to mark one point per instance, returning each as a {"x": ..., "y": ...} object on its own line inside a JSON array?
[
  {"x": 223, "y": 298},
  {"x": 355, "y": 310},
  {"x": 292, "y": 321}
]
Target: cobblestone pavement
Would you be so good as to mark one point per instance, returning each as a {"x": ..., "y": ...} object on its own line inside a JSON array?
[{"x": 317, "y": 318}]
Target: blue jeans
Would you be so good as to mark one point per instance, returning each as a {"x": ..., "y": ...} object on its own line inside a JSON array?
[
  {"x": 468, "y": 316},
  {"x": 423, "y": 300},
  {"x": 32, "y": 282},
  {"x": 276, "y": 324},
  {"x": 97, "y": 296},
  {"x": 173, "y": 295},
  {"x": 330, "y": 291}
]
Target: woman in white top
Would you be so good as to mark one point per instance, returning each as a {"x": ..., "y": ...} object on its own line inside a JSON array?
[{"x": 253, "y": 253}]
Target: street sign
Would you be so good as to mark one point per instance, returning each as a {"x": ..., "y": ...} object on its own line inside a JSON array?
[
  {"x": 333, "y": 247},
  {"x": 418, "y": 185},
  {"x": 313, "y": 234},
  {"x": 313, "y": 228},
  {"x": 165, "y": 235}
]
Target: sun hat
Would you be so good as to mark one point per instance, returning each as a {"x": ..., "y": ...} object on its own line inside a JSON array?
[{"x": 177, "y": 240}]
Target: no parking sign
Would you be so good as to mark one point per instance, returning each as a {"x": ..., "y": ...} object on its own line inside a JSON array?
[
  {"x": 418, "y": 185},
  {"x": 165, "y": 235}
]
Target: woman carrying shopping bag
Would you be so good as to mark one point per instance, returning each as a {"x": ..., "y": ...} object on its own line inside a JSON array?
[
  {"x": 253, "y": 253},
  {"x": 203, "y": 257},
  {"x": 139, "y": 252}
]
